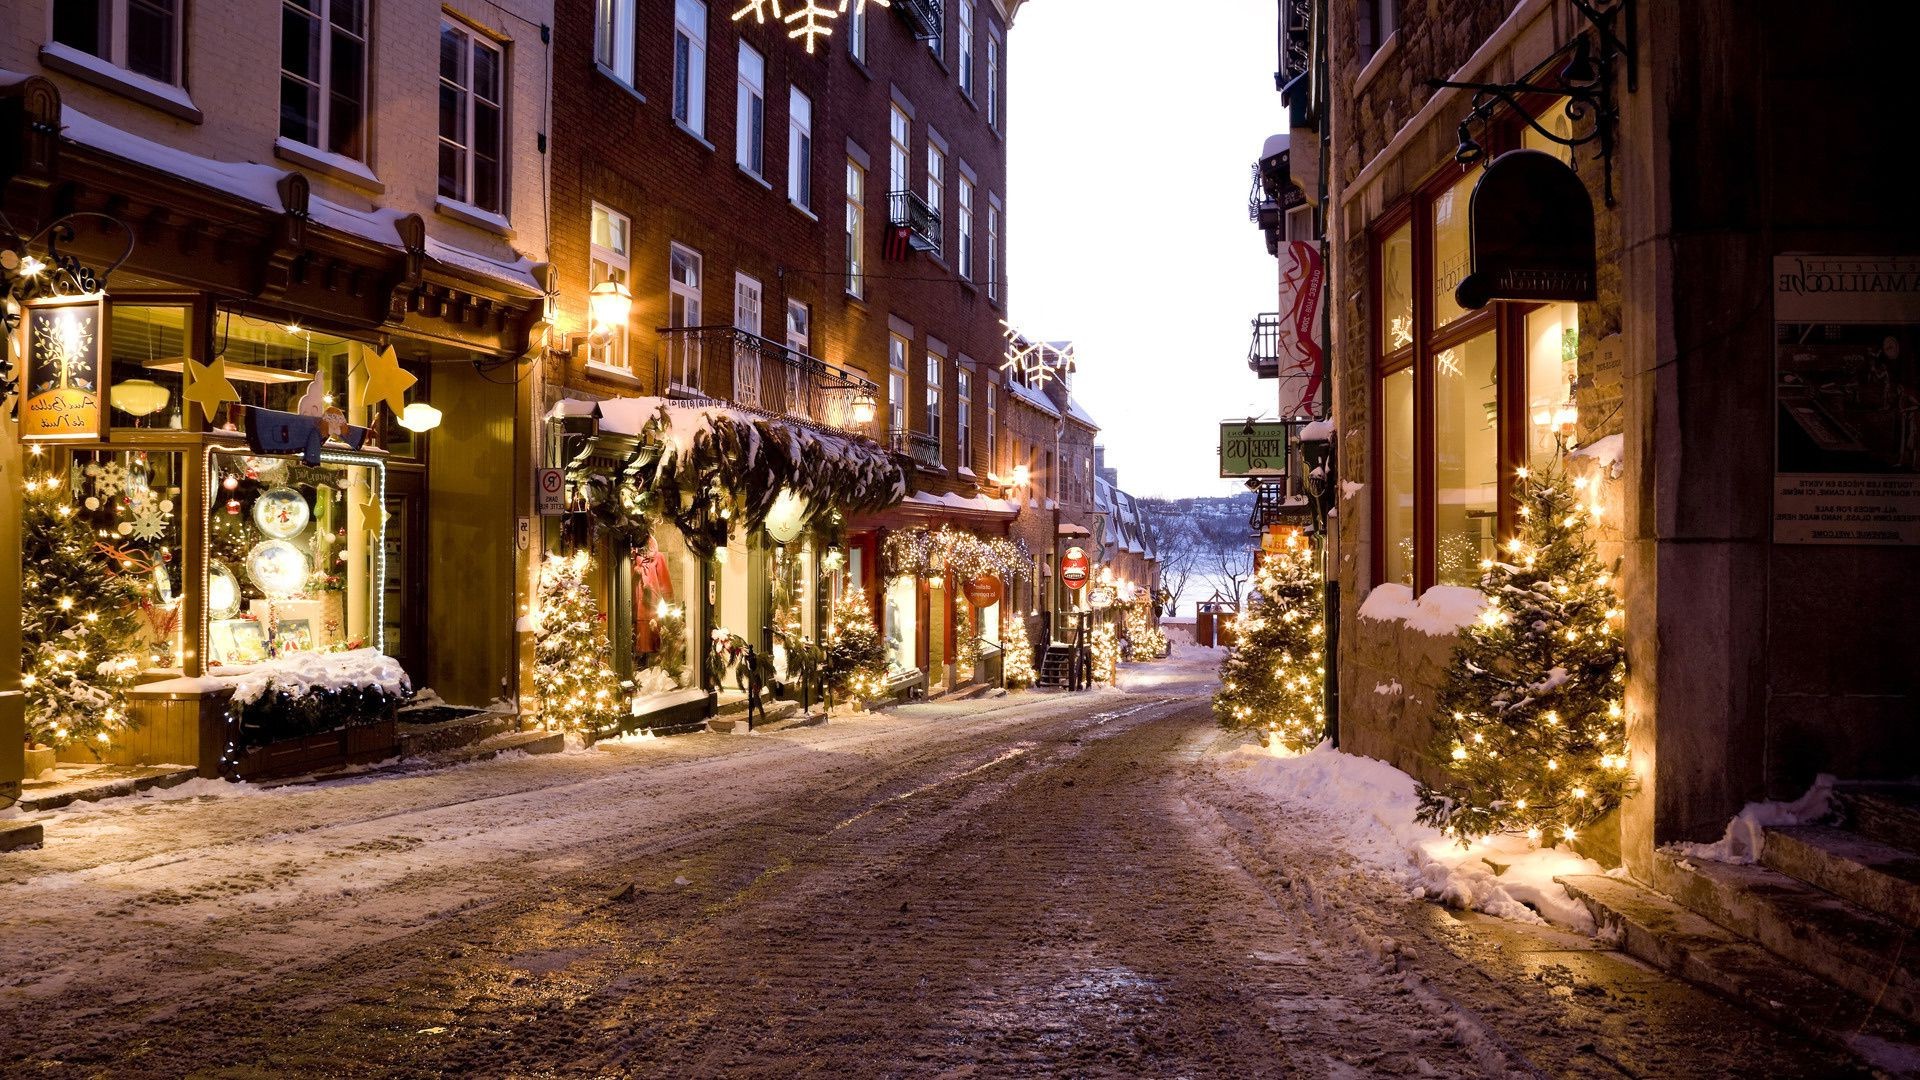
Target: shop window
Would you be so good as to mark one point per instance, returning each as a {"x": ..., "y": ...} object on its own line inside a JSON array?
[
  {"x": 323, "y": 74},
  {"x": 1396, "y": 291},
  {"x": 901, "y": 611},
  {"x": 273, "y": 366},
  {"x": 792, "y": 610},
  {"x": 1466, "y": 458},
  {"x": 142, "y": 36},
  {"x": 472, "y": 93},
  {"x": 1553, "y": 350},
  {"x": 665, "y": 587},
  {"x": 134, "y": 501},
  {"x": 145, "y": 346},
  {"x": 1450, "y": 253},
  {"x": 295, "y": 556}
]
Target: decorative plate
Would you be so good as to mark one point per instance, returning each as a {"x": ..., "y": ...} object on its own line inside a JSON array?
[
  {"x": 277, "y": 568},
  {"x": 223, "y": 591},
  {"x": 281, "y": 512}
]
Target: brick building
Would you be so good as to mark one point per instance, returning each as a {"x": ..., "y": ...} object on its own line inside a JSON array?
[{"x": 1760, "y": 650}]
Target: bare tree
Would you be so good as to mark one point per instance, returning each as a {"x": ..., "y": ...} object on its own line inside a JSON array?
[
  {"x": 1229, "y": 570},
  {"x": 1173, "y": 538}
]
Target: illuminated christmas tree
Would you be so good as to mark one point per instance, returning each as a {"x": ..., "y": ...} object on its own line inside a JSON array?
[
  {"x": 572, "y": 670},
  {"x": 1018, "y": 669},
  {"x": 1274, "y": 678},
  {"x": 1531, "y": 731},
  {"x": 855, "y": 668},
  {"x": 1149, "y": 644},
  {"x": 79, "y": 625},
  {"x": 1106, "y": 654}
]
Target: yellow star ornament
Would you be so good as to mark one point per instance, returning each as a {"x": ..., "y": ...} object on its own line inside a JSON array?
[
  {"x": 386, "y": 381},
  {"x": 208, "y": 385},
  {"x": 373, "y": 514}
]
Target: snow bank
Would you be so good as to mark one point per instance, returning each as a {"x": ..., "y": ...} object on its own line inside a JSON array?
[
  {"x": 1745, "y": 837},
  {"x": 1367, "y": 806},
  {"x": 1605, "y": 453},
  {"x": 1440, "y": 611},
  {"x": 297, "y": 674}
]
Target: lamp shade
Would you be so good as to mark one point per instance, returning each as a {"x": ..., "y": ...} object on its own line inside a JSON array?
[
  {"x": 609, "y": 305},
  {"x": 420, "y": 417},
  {"x": 139, "y": 397},
  {"x": 864, "y": 408}
]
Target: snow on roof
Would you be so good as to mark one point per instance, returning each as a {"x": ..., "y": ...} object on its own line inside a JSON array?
[
  {"x": 979, "y": 503},
  {"x": 1074, "y": 410},
  {"x": 1275, "y": 144},
  {"x": 571, "y": 407},
  {"x": 1318, "y": 431},
  {"x": 1033, "y": 397},
  {"x": 1068, "y": 528}
]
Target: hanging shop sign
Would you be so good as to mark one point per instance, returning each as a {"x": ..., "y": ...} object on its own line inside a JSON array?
[
  {"x": 1073, "y": 568},
  {"x": 1847, "y": 434},
  {"x": 550, "y": 492},
  {"x": 1253, "y": 449},
  {"x": 1100, "y": 598},
  {"x": 983, "y": 591},
  {"x": 1300, "y": 350},
  {"x": 1530, "y": 228},
  {"x": 61, "y": 397}
]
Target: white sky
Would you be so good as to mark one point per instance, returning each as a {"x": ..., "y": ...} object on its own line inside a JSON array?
[{"x": 1127, "y": 225}]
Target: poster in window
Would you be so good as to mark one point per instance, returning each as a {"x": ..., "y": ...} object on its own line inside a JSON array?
[
  {"x": 61, "y": 396},
  {"x": 1847, "y": 399}
]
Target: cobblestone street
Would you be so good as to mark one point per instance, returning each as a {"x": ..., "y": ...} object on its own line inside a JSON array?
[{"x": 1026, "y": 886}]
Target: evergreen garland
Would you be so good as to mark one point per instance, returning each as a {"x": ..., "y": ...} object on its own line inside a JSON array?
[
  {"x": 1273, "y": 678},
  {"x": 80, "y": 624},
  {"x": 1531, "y": 731}
]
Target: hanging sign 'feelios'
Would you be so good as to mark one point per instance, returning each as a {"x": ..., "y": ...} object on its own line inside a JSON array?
[
  {"x": 61, "y": 398},
  {"x": 1073, "y": 568},
  {"x": 983, "y": 591}
]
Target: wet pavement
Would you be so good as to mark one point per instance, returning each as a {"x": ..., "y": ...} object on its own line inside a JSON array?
[{"x": 1033, "y": 886}]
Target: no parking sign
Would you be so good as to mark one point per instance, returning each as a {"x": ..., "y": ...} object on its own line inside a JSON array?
[{"x": 550, "y": 492}]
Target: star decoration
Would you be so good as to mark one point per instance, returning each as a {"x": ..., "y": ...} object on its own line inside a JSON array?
[
  {"x": 373, "y": 514},
  {"x": 386, "y": 381},
  {"x": 208, "y": 385}
]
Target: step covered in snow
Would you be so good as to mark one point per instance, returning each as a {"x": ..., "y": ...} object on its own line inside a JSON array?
[
  {"x": 1879, "y": 877},
  {"x": 1887, "y": 812},
  {"x": 1810, "y": 928}
]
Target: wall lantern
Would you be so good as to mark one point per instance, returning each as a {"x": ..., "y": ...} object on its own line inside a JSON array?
[
  {"x": 865, "y": 407},
  {"x": 420, "y": 417},
  {"x": 1022, "y": 476},
  {"x": 139, "y": 397},
  {"x": 609, "y": 306}
]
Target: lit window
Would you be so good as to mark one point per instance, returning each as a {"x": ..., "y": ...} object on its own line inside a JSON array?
[
  {"x": 142, "y": 36},
  {"x": 800, "y": 149},
  {"x": 690, "y": 65},
  {"x": 612, "y": 261},
  {"x": 963, "y": 387},
  {"x": 472, "y": 73},
  {"x": 684, "y": 353},
  {"x": 935, "y": 365},
  {"x": 897, "y": 383},
  {"x": 750, "y": 117},
  {"x": 613, "y": 38},
  {"x": 323, "y": 75},
  {"x": 856, "y": 226},
  {"x": 937, "y": 191}
]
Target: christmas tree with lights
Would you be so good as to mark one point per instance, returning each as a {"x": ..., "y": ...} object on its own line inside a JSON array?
[
  {"x": 1149, "y": 643},
  {"x": 856, "y": 658},
  {"x": 1018, "y": 667},
  {"x": 1106, "y": 654},
  {"x": 1273, "y": 679},
  {"x": 79, "y": 625},
  {"x": 1530, "y": 729},
  {"x": 572, "y": 670}
]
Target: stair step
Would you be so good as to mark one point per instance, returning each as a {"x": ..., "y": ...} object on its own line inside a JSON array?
[
  {"x": 1652, "y": 928},
  {"x": 1877, "y": 876},
  {"x": 1887, "y": 812},
  {"x": 1810, "y": 928}
]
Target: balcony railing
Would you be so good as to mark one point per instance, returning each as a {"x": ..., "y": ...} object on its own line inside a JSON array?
[
  {"x": 922, "y": 222},
  {"x": 1263, "y": 356},
  {"x": 728, "y": 364},
  {"x": 923, "y": 17},
  {"x": 923, "y": 449}
]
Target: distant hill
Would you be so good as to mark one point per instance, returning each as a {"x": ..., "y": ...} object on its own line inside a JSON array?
[{"x": 1205, "y": 545}]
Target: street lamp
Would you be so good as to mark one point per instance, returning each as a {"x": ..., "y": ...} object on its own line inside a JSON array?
[
  {"x": 865, "y": 407},
  {"x": 609, "y": 305}
]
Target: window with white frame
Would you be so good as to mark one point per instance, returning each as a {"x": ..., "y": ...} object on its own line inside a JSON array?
[
  {"x": 612, "y": 255},
  {"x": 472, "y": 81},
  {"x": 857, "y": 32},
  {"x": 690, "y": 65},
  {"x": 936, "y": 365},
  {"x": 323, "y": 75},
  {"x": 799, "y": 342},
  {"x": 799, "y": 148},
  {"x": 750, "y": 113},
  {"x": 684, "y": 353},
  {"x": 142, "y": 36},
  {"x": 964, "y": 225},
  {"x": 993, "y": 249},
  {"x": 613, "y": 38},
  {"x": 896, "y": 383},
  {"x": 993, "y": 78},
  {"x": 937, "y": 191},
  {"x": 747, "y": 380},
  {"x": 965, "y": 47},
  {"x": 856, "y": 227},
  {"x": 963, "y": 390},
  {"x": 899, "y": 150},
  {"x": 993, "y": 428}
]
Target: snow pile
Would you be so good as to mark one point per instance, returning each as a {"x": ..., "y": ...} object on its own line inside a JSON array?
[
  {"x": 1745, "y": 837},
  {"x": 1318, "y": 431},
  {"x": 1605, "y": 453},
  {"x": 1350, "y": 488},
  {"x": 1367, "y": 806},
  {"x": 297, "y": 674},
  {"x": 1388, "y": 689},
  {"x": 1440, "y": 611}
]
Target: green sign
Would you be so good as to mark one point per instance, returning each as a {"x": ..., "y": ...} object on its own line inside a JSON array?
[{"x": 1253, "y": 449}]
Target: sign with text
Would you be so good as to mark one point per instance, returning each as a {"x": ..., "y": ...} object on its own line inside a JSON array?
[
  {"x": 1530, "y": 225},
  {"x": 983, "y": 591},
  {"x": 1253, "y": 449},
  {"x": 1847, "y": 397},
  {"x": 61, "y": 392},
  {"x": 1100, "y": 599},
  {"x": 1073, "y": 568},
  {"x": 550, "y": 492}
]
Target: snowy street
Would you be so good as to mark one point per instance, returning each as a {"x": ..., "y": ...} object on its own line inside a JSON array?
[{"x": 1017, "y": 886}]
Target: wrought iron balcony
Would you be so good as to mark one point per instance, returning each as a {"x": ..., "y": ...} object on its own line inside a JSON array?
[
  {"x": 1263, "y": 205},
  {"x": 923, "y": 449},
  {"x": 923, "y": 17},
  {"x": 906, "y": 209},
  {"x": 1263, "y": 356},
  {"x": 723, "y": 363}
]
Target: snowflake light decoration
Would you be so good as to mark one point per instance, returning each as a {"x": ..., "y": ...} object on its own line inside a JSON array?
[
  {"x": 1037, "y": 362},
  {"x": 809, "y": 21},
  {"x": 109, "y": 479}
]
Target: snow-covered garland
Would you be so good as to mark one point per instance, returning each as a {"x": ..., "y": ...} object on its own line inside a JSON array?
[
  {"x": 309, "y": 694},
  {"x": 705, "y": 469},
  {"x": 946, "y": 550}
]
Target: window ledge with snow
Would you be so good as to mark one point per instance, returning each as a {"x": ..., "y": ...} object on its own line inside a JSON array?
[
  {"x": 1440, "y": 611},
  {"x": 86, "y": 67},
  {"x": 469, "y": 214},
  {"x": 338, "y": 166},
  {"x": 1380, "y": 56}
]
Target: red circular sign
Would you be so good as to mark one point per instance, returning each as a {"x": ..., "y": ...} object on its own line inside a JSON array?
[
  {"x": 983, "y": 591},
  {"x": 1073, "y": 568}
]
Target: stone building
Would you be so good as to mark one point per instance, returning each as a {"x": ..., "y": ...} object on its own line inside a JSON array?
[{"x": 1728, "y": 410}]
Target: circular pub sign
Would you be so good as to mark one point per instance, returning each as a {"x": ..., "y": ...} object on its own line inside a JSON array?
[
  {"x": 983, "y": 591},
  {"x": 1073, "y": 568}
]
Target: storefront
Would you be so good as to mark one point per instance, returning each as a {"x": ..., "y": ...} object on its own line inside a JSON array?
[{"x": 945, "y": 589}]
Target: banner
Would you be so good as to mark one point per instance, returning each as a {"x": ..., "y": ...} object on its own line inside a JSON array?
[
  {"x": 1302, "y": 352},
  {"x": 1847, "y": 395}
]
